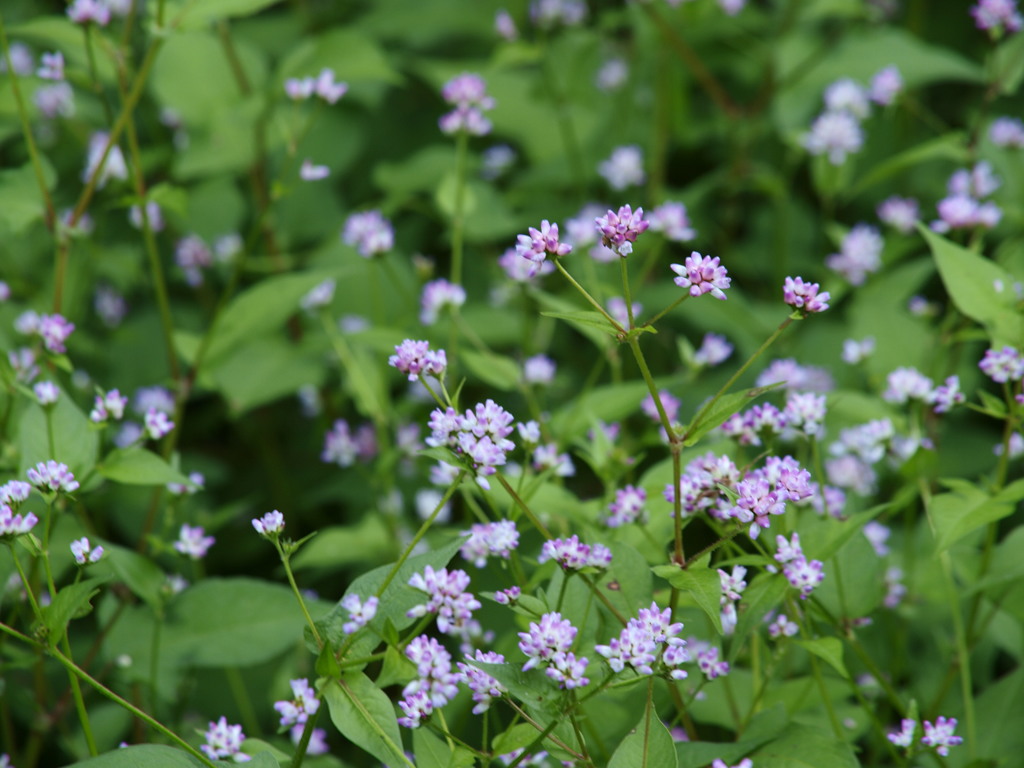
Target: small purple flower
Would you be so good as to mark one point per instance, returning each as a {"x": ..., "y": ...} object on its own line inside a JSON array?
[
  {"x": 46, "y": 392},
  {"x": 484, "y": 687},
  {"x": 84, "y": 552},
  {"x": 997, "y": 16},
  {"x": 619, "y": 230},
  {"x": 369, "y": 233},
  {"x": 900, "y": 213},
  {"x": 540, "y": 242},
  {"x": 859, "y": 254},
  {"x": 782, "y": 627},
  {"x": 648, "y": 640},
  {"x": 320, "y": 295},
  {"x": 612, "y": 75},
  {"x": 193, "y": 541},
  {"x": 193, "y": 255},
  {"x": 547, "y": 14},
  {"x": 804, "y": 296},
  {"x": 224, "y": 741},
  {"x": 946, "y": 395},
  {"x": 109, "y": 305},
  {"x": 108, "y": 405},
  {"x": 629, "y": 506},
  {"x": 710, "y": 665},
  {"x": 877, "y": 535},
  {"x": 521, "y": 269},
  {"x": 625, "y": 168},
  {"x": 507, "y": 596},
  {"x": 54, "y": 330},
  {"x": 438, "y": 295},
  {"x": 804, "y": 378},
  {"x": 490, "y": 539},
  {"x": 714, "y": 349},
  {"x": 448, "y": 598},
  {"x": 547, "y": 645},
  {"x": 327, "y": 88},
  {"x": 89, "y": 12},
  {"x": 415, "y": 358},
  {"x": 154, "y": 216},
  {"x": 505, "y": 26},
  {"x": 343, "y": 447},
  {"x": 847, "y": 96},
  {"x": 14, "y": 492},
  {"x": 114, "y": 167},
  {"x": 51, "y": 66},
  {"x": 857, "y": 351},
  {"x": 270, "y": 525},
  {"x": 836, "y": 134},
  {"x": 360, "y": 613},
  {"x": 886, "y": 86},
  {"x": 53, "y": 101},
  {"x": 495, "y": 161},
  {"x": 907, "y": 383},
  {"x": 1007, "y": 132},
  {"x": 670, "y": 403},
  {"x": 895, "y": 589},
  {"x": 468, "y": 93},
  {"x": 157, "y": 424},
  {"x": 672, "y": 220},
  {"x": 547, "y": 458},
  {"x": 1003, "y": 365},
  {"x": 52, "y": 476},
  {"x": 310, "y": 172},
  {"x": 303, "y": 704},
  {"x": 299, "y": 88},
  {"x": 804, "y": 575},
  {"x": 12, "y": 525},
  {"x": 539, "y": 370},
  {"x": 573, "y": 555},
  {"x": 436, "y": 684},
  {"x": 941, "y": 735},
  {"x": 702, "y": 274},
  {"x": 905, "y": 736},
  {"x": 803, "y": 414}
]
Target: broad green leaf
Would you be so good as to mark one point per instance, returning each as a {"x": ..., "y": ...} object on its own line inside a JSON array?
[
  {"x": 21, "y": 200},
  {"x": 76, "y": 441},
  {"x": 979, "y": 288},
  {"x": 430, "y": 751},
  {"x": 763, "y": 594},
  {"x": 998, "y": 717},
  {"x": 648, "y": 745},
  {"x": 1007, "y": 565},
  {"x": 951, "y": 147},
  {"x": 764, "y": 727},
  {"x": 233, "y": 622},
  {"x": 828, "y": 648},
  {"x": 585, "y": 318},
  {"x": 608, "y": 403},
  {"x": 366, "y": 717},
  {"x": 418, "y": 172},
  {"x": 802, "y": 746},
  {"x": 704, "y": 585},
  {"x": 142, "y": 756},
  {"x": 517, "y": 737},
  {"x": 561, "y": 307},
  {"x": 140, "y": 574},
  {"x": 725, "y": 407},
  {"x": 262, "y": 370},
  {"x": 628, "y": 583},
  {"x": 498, "y": 371},
  {"x": 339, "y": 546},
  {"x": 188, "y": 15},
  {"x": 70, "y": 600},
  {"x": 966, "y": 507},
  {"x": 137, "y": 466}
]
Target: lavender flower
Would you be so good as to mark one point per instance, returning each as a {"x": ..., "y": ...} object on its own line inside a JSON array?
[
  {"x": 900, "y": 213},
  {"x": 108, "y": 405},
  {"x": 670, "y": 218},
  {"x": 702, "y": 274},
  {"x": 489, "y": 539},
  {"x": 856, "y": 351},
  {"x": 540, "y": 242},
  {"x": 360, "y": 613},
  {"x": 803, "y": 414},
  {"x": 877, "y": 536},
  {"x": 521, "y": 269},
  {"x": 612, "y": 75},
  {"x": 224, "y": 741},
  {"x": 629, "y": 506},
  {"x": 746, "y": 762},
  {"x": 804, "y": 296},
  {"x": 484, "y": 687},
  {"x": 895, "y": 589},
  {"x": 804, "y": 575},
  {"x": 84, "y": 552},
  {"x": 946, "y": 395},
  {"x": 782, "y": 627},
  {"x": 320, "y": 295},
  {"x": 859, "y": 254},
  {"x": 573, "y": 555},
  {"x": 714, "y": 349},
  {"x": 1007, "y": 132},
  {"x": 625, "y": 168},
  {"x": 310, "y": 172},
  {"x": 997, "y": 16},
  {"x": 480, "y": 436},
  {"x": 505, "y": 26},
  {"x": 707, "y": 660},
  {"x": 46, "y": 392},
  {"x": 905, "y": 736},
  {"x": 14, "y": 492},
  {"x": 907, "y": 383},
  {"x": 193, "y": 255},
  {"x": 468, "y": 93},
  {"x": 848, "y": 97},
  {"x": 369, "y": 232},
  {"x": 941, "y": 735},
  {"x": 437, "y": 295},
  {"x": 886, "y": 86},
  {"x": 415, "y": 358},
  {"x": 669, "y": 403},
  {"x": 114, "y": 167},
  {"x": 157, "y": 424},
  {"x": 547, "y": 645},
  {"x": 298, "y": 709},
  {"x": 52, "y": 476},
  {"x": 646, "y": 642},
  {"x": 89, "y": 12},
  {"x": 343, "y": 447},
  {"x": 836, "y": 134},
  {"x": 54, "y": 330},
  {"x": 270, "y": 525},
  {"x": 12, "y": 525},
  {"x": 547, "y": 14},
  {"x": 51, "y": 66},
  {"x": 619, "y": 230},
  {"x": 806, "y": 378},
  {"x": 539, "y": 370},
  {"x": 435, "y": 686},
  {"x": 1003, "y": 365},
  {"x": 495, "y": 161},
  {"x": 448, "y": 598},
  {"x": 193, "y": 541}
]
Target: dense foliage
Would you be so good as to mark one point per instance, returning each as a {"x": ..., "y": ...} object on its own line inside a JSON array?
[{"x": 573, "y": 383}]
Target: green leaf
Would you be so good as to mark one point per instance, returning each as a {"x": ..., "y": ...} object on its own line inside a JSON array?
[
  {"x": 802, "y": 746},
  {"x": 366, "y": 717},
  {"x": 338, "y": 546},
  {"x": 139, "y": 755},
  {"x": 200, "y": 15},
  {"x": 137, "y": 466},
  {"x": 966, "y": 507},
  {"x": 648, "y": 745},
  {"x": 585, "y": 318},
  {"x": 948, "y": 147},
  {"x": 498, "y": 371},
  {"x": 763, "y": 594},
  {"x": 723, "y": 408},
  {"x": 628, "y": 584},
  {"x": 517, "y": 737},
  {"x": 68, "y": 604},
  {"x": 21, "y": 201},
  {"x": 562, "y": 307},
  {"x": 828, "y": 648},
  {"x": 262, "y": 370},
  {"x": 971, "y": 281},
  {"x": 430, "y": 751},
  {"x": 233, "y": 622},
  {"x": 76, "y": 441},
  {"x": 140, "y": 574},
  {"x": 704, "y": 585}
]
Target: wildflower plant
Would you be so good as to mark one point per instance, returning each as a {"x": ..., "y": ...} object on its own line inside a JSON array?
[{"x": 668, "y": 404}]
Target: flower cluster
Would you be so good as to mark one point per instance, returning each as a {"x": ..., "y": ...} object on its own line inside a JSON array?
[
  {"x": 714, "y": 349},
  {"x": 629, "y": 506},
  {"x": 963, "y": 207},
  {"x": 699, "y": 483},
  {"x": 1007, "y": 132},
  {"x": 369, "y": 233},
  {"x": 270, "y": 525},
  {"x": 805, "y": 296},
  {"x": 12, "y": 525},
  {"x": 323, "y": 86},
  {"x": 646, "y": 642},
  {"x": 997, "y": 16},
  {"x": 108, "y": 405},
  {"x": 480, "y": 436},
  {"x": 619, "y": 230},
  {"x": 343, "y": 447},
  {"x": 484, "y": 687},
  {"x": 764, "y": 492},
  {"x": 859, "y": 255},
  {"x": 573, "y": 555},
  {"x": 415, "y": 358},
  {"x": 900, "y": 213},
  {"x": 84, "y": 552},
  {"x": 1003, "y": 365},
  {"x": 672, "y": 220},
  {"x": 468, "y": 94},
  {"x": 296, "y": 711},
  {"x": 837, "y": 131},
  {"x": 536, "y": 245},
  {"x": 193, "y": 541},
  {"x": 448, "y": 598},
  {"x": 436, "y": 684},
  {"x": 489, "y": 539},
  {"x": 360, "y": 612},
  {"x": 52, "y": 477},
  {"x": 547, "y": 645},
  {"x": 707, "y": 658},
  {"x": 732, "y": 587},
  {"x": 802, "y": 574},
  {"x": 702, "y": 274},
  {"x": 224, "y": 741},
  {"x": 437, "y": 295},
  {"x": 625, "y": 168}
]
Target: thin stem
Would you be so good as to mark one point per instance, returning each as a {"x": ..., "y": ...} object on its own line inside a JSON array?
[
  {"x": 458, "y": 214},
  {"x": 307, "y": 734},
  {"x": 594, "y": 303},
  {"x": 524, "y": 507},
  {"x": 285, "y": 561},
  {"x": 625, "y": 291}
]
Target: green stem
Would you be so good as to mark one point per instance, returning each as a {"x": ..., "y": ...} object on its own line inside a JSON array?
[
  {"x": 307, "y": 734},
  {"x": 458, "y": 214},
  {"x": 667, "y": 309},
  {"x": 524, "y": 507},
  {"x": 285, "y": 561},
  {"x": 625, "y": 291},
  {"x": 593, "y": 302}
]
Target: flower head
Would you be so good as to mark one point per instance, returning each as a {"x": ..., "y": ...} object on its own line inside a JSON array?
[
  {"x": 804, "y": 296},
  {"x": 12, "y": 525},
  {"x": 836, "y": 134},
  {"x": 619, "y": 230},
  {"x": 702, "y": 274},
  {"x": 270, "y": 525},
  {"x": 193, "y": 541},
  {"x": 52, "y": 476},
  {"x": 437, "y": 295},
  {"x": 416, "y": 358},
  {"x": 297, "y": 710},
  {"x": 360, "y": 612},
  {"x": 536, "y": 245},
  {"x": 625, "y": 168},
  {"x": 369, "y": 232},
  {"x": 224, "y": 741},
  {"x": 84, "y": 552},
  {"x": 940, "y": 735}
]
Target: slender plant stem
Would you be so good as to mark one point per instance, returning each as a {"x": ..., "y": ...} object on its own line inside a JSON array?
[
  {"x": 286, "y": 562},
  {"x": 593, "y": 302},
  {"x": 458, "y": 213},
  {"x": 307, "y": 734}
]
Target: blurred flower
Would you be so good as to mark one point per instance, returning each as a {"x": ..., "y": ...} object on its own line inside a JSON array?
[
  {"x": 193, "y": 542},
  {"x": 847, "y": 96},
  {"x": 702, "y": 274},
  {"x": 52, "y": 476},
  {"x": 46, "y": 392},
  {"x": 625, "y": 168},
  {"x": 1007, "y": 132},
  {"x": 496, "y": 161},
  {"x": 298, "y": 709},
  {"x": 612, "y": 75},
  {"x": 57, "y": 100},
  {"x": 84, "y": 552},
  {"x": 536, "y": 245},
  {"x": 855, "y": 351},
  {"x": 154, "y": 215},
  {"x": 320, "y": 295},
  {"x": 539, "y": 369},
  {"x": 270, "y": 525},
  {"x": 310, "y": 172},
  {"x": 437, "y": 296},
  {"x": 89, "y": 11},
  {"x": 836, "y": 134},
  {"x": 714, "y": 349},
  {"x": 671, "y": 220},
  {"x": 360, "y": 612},
  {"x": 157, "y": 424},
  {"x": 342, "y": 447},
  {"x": 941, "y": 735},
  {"x": 224, "y": 741},
  {"x": 114, "y": 167},
  {"x": 901, "y": 213},
  {"x": 193, "y": 255},
  {"x": 617, "y": 309},
  {"x": 548, "y": 14},
  {"x": 22, "y": 60},
  {"x": 504, "y": 25},
  {"x": 369, "y": 232},
  {"x": 860, "y": 254},
  {"x": 468, "y": 93},
  {"x": 415, "y": 358},
  {"x": 997, "y": 16},
  {"x": 51, "y": 66},
  {"x": 886, "y": 86},
  {"x": 905, "y": 736}
]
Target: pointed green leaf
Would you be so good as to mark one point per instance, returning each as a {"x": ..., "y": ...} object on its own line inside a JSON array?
[
  {"x": 585, "y": 318},
  {"x": 497, "y": 370},
  {"x": 430, "y": 751},
  {"x": 68, "y": 603},
  {"x": 704, "y": 585},
  {"x": 648, "y": 745},
  {"x": 828, "y": 648},
  {"x": 366, "y": 717},
  {"x": 137, "y": 466},
  {"x": 723, "y": 408}
]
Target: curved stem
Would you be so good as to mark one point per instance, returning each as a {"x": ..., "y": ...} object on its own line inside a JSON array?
[{"x": 593, "y": 302}]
